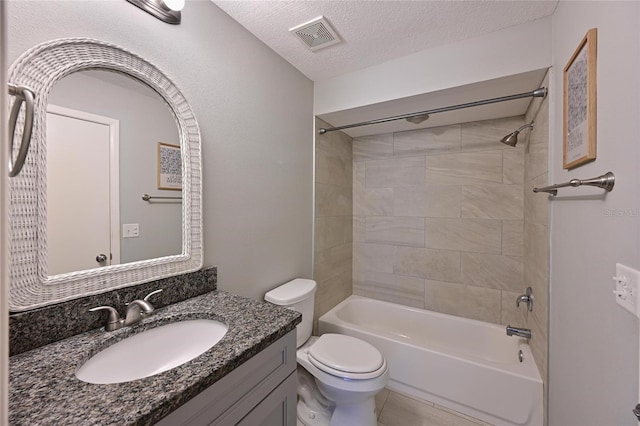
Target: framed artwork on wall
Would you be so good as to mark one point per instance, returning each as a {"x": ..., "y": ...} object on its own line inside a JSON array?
[
  {"x": 169, "y": 167},
  {"x": 579, "y": 123}
]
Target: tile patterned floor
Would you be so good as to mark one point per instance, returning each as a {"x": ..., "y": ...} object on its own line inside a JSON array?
[{"x": 395, "y": 409}]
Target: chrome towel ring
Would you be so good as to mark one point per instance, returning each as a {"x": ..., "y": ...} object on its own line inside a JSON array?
[{"x": 26, "y": 96}]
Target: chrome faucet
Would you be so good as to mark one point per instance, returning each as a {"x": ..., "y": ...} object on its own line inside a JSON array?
[
  {"x": 139, "y": 309},
  {"x": 527, "y": 298},
  {"x": 520, "y": 332},
  {"x": 136, "y": 312}
]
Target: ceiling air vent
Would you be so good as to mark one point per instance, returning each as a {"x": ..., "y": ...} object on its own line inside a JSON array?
[{"x": 316, "y": 34}]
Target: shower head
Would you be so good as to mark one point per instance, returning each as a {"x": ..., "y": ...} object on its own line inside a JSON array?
[{"x": 512, "y": 138}]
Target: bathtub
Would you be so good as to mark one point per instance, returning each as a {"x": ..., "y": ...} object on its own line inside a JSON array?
[{"x": 469, "y": 366}]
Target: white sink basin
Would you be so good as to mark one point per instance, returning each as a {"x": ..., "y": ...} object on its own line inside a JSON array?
[{"x": 151, "y": 352}]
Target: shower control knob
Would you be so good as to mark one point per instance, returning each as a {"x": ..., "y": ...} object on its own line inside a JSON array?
[{"x": 101, "y": 258}]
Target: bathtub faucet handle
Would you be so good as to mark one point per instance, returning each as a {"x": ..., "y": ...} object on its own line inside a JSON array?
[{"x": 527, "y": 297}]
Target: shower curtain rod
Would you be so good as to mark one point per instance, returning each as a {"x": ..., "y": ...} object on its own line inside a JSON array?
[{"x": 538, "y": 93}]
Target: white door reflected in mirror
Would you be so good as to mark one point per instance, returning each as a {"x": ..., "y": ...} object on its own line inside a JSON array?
[{"x": 83, "y": 211}]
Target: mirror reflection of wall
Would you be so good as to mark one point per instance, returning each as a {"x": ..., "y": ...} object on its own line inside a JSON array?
[{"x": 144, "y": 120}]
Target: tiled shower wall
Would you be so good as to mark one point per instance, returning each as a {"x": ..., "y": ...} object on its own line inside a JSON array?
[
  {"x": 536, "y": 231},
  {"x": 439, "y": 219},
  {"x": 333, "y": 218}
]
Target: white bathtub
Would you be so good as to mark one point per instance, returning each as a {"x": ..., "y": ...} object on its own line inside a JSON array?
[{"x": 469, "y": 366}]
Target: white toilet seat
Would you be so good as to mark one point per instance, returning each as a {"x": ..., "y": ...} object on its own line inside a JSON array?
[{"x": 346, "y": 357}]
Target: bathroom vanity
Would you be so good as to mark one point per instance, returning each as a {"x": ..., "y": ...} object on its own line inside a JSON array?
[{"x": 247, "y": 378}]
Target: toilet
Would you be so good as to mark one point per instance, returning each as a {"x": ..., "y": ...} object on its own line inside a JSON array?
[{"x": 338, "y": 375}]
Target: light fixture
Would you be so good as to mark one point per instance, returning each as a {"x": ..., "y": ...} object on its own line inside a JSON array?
[
  {"x": 166, "y": 10},
  {"x": 512, "y": 138}
]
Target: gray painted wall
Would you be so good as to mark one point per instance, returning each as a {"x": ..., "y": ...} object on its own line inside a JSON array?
[
  {"x": 255, "y": 115},
  {"x": 593, "y": 347}
]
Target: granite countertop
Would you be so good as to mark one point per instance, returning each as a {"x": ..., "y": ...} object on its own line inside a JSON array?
[{"x": 43, "y": 388}]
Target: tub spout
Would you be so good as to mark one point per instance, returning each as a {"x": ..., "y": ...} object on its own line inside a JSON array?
[{"x": 520, "y": 332}]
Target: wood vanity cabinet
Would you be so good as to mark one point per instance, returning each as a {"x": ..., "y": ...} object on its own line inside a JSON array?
[{"x": 262, "y": 391}]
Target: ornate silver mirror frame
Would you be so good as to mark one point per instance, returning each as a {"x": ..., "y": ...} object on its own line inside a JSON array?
[{"x": 39, "y": 69}]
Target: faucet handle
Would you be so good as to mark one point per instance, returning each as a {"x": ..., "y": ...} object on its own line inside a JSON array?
[
  {"x": 527, "y": 297},
  {"x": 146, "y": 298},
  {"x": 139, "y": 309},
  {"x": 114, "y": 321}
]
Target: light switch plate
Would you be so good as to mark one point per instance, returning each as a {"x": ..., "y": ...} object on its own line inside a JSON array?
[
  {"x": 130, "y": 230},
  {"x": 626, "y": 291}
]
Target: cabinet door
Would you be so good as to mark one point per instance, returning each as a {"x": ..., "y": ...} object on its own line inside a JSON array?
[
  {"x": 227, "y": 402},
  {"x": 278, "y": 408}
]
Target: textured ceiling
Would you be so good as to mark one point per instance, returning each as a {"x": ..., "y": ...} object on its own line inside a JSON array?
[{"x": 374, "y": 32}]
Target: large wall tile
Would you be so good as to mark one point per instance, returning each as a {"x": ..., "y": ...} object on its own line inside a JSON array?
[
  {"x": 332, "y": 292},
  {"x": 538, "y": 149},
  {"x": 462, "y": 300},
  {"x": 333, "y": 200},
  {"x": 427, "y": 201},
  {"x": 373, "y": 147},
  {"x": 373, "y": 257},
  {"x": 474, "y": 203},
  {"x": 536, "y": 273},
  {"x": 513, "y": 165},
  {"x": 510, "y": 314},
  {"x": 333, "y": 225},
  {"x": 513, "y": 237},
  {"x": 537, "y": 205},
  {"x": 492, "y": 201},
  {"x": 359, "y": 228},
  {"x": 536, "y": 232},
  {"x": 392, "y": 288},
  {"x": 537, "y": 162},
  {"x": 332, "y": 231},
  {"x": 436, "y": 140},
  {"x": 539, "y": 344},
  {"x": 332, "y": 262},
  {"x": 332, "y": 169},
  {"x": 407, "y": 231},
  {"x": 335, "y": 143},
  {"x": 475, "y": 235},
  {"x": 395, "y": 172},
  {"x": 493, "y": 271},
  {"x": 373, "y": 202},
  {"x": 464, "y": 168},
  {"x": 358, "y": 173},
  {"x": 486, "y": 135},
  {"x": 441, "y": 265}
]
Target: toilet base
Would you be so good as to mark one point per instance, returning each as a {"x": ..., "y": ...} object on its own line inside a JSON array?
[
  {"x": 363, "y": 414},
  {"x": 310, "y": 417},
  {"x": 313, "y": 408}
]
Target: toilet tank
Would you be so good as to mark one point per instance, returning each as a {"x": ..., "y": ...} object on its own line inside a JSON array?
[{"x": 299, "y": 295}]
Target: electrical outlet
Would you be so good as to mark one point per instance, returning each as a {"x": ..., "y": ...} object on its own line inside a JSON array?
[
  {"x": 130, "y": 230},
  {"x": 627, "y": 281}
]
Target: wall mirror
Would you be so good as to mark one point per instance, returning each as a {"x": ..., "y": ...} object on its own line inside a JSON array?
[{"x": 107, "y": 126}]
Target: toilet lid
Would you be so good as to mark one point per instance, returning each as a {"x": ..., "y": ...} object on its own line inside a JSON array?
[{"x": 346, "y": 356}]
